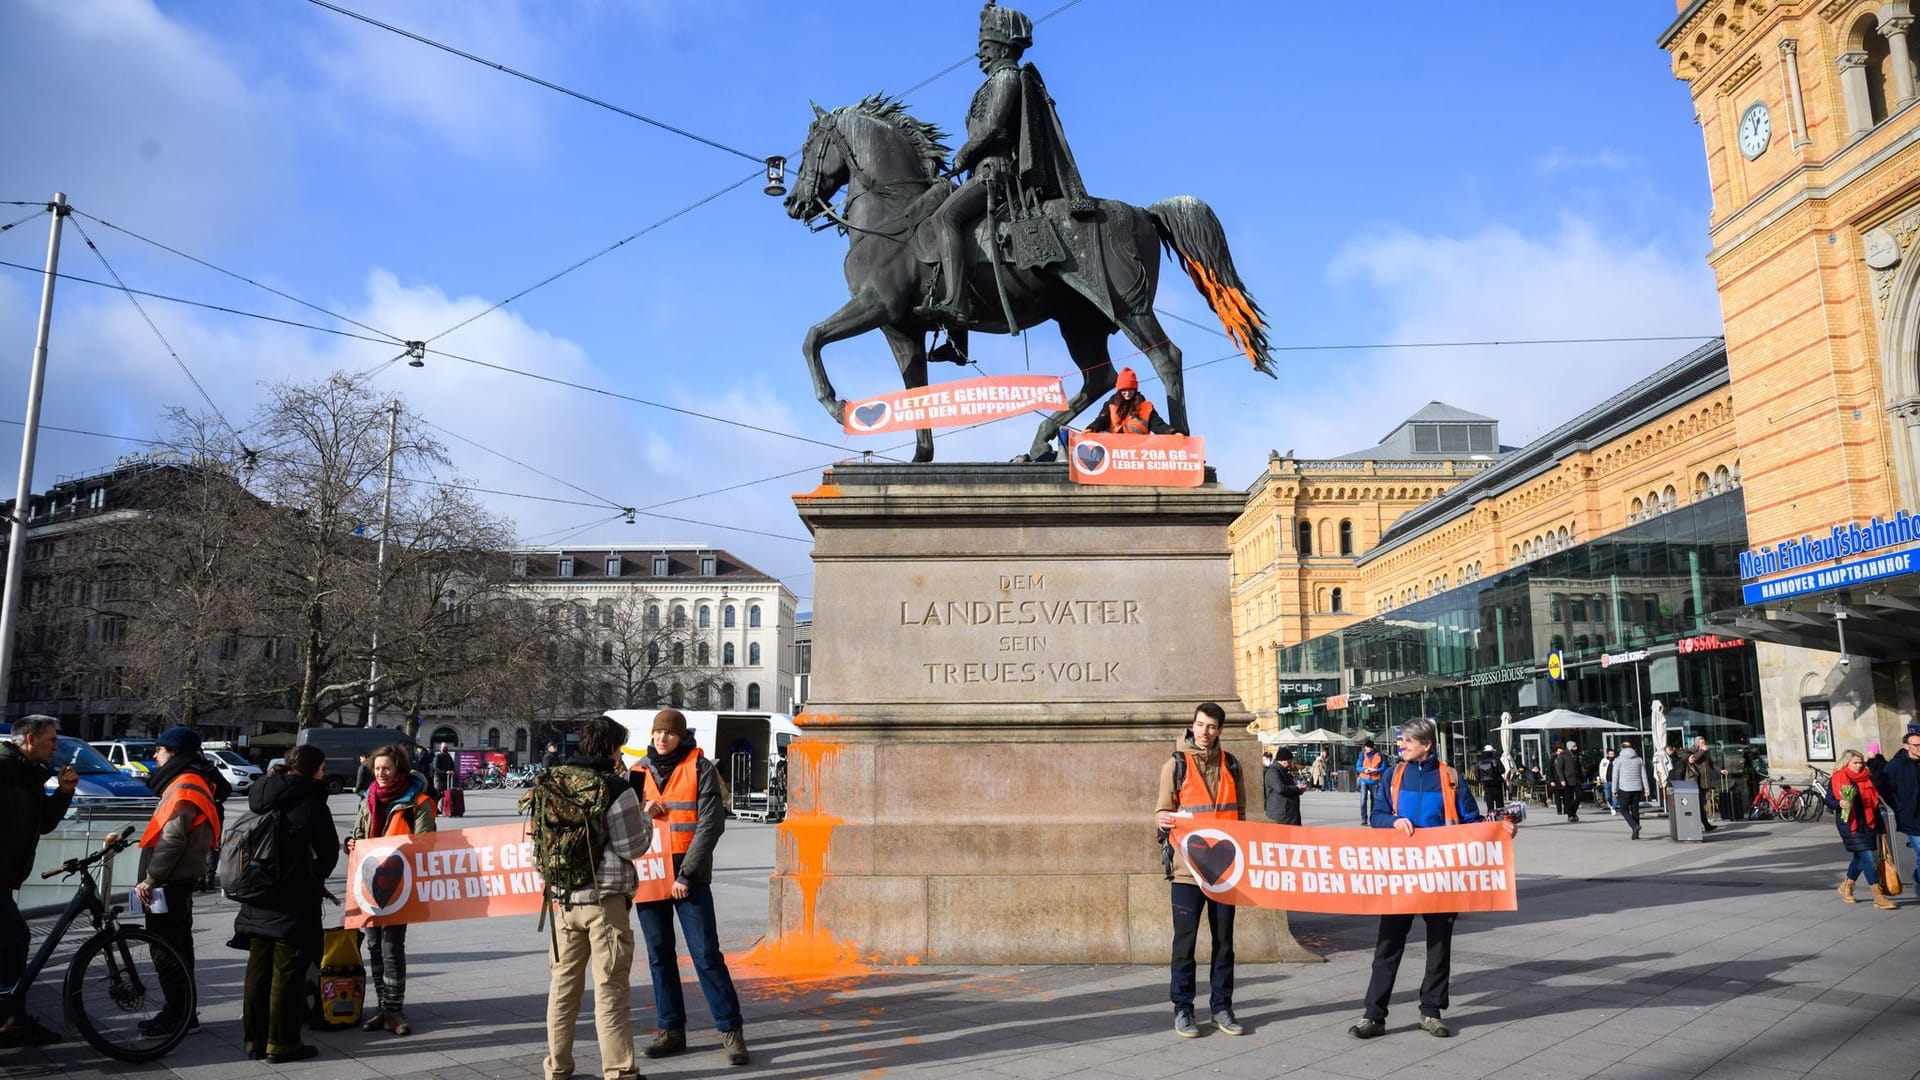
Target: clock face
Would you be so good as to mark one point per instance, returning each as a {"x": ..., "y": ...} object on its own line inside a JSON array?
[{"x": 1756, "y": 128}]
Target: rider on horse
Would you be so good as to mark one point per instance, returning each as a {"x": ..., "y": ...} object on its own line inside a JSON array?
[{"x": 1015, "y": 150}]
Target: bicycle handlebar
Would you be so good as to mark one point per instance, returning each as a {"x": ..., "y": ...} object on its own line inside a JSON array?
[{"x": 110, "y": 845}]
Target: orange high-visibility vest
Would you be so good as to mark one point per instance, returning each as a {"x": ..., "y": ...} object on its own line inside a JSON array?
[
  {"x": 1134, "y": 423},
  {"x": 190, "y": 790},
  {"x": 1449, "y": 791},
  {"x": 1371, "y": 763},
  {"x": 399, "y": 817},
  {"x": 1195, "y": 799},
  {"x": 682, "y": 796}
]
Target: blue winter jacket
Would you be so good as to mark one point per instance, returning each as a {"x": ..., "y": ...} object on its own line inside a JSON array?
[{"x": 1420, "y": 796}]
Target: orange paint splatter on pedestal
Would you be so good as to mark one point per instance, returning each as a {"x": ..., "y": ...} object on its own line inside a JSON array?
[{"x": 810, "y": 954}]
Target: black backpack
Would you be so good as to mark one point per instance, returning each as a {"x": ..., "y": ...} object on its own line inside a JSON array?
[
  {"x": 250, "y": 865},
  {"x": 1486, "y": 770}
]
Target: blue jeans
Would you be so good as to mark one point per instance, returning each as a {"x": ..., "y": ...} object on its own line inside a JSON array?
[
  {"x": 1862, "y": 865},
  {"x": 1368, "y": 791},
  {"x": 1187, "y": 902},
  {"x": 15, "y": 942},
  {"x": 1606, "y": 796},
  {"x": 703, "y": 944},
  {"x": 1912, "y": 842}
]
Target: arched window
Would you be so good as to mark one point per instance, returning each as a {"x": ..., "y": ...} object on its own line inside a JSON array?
[
  {"x": 1346, "y": 537},
  {"x": 679, "y": 654},
  {"x": 1303, "y": 537},
  {"x": 445, "y": 735},
  {"x": 1320, "y": 600},
  {"x": 679, "y": 615},
  {"x": 606, "y": 653},
  {"x": 653, "y": 653},
  {"x": 703, "y": 654},
  {"x": 678, "y": 696},
  {"x": 493, "y": 737},
  {"x": 726, "y": 654},
  {"x": 726, "y": 695},
  {"x": 700, "y": 696},
  {"x": 1700, "y": 485},
  {"x": 519, "y": 740},
  {"x": 1669, "y": 498},
  {"x": 753, "y": 654},
  {"x": 706, "y": 617},
  {"x": 753, "y": 616},
  {"x": 1634, "y": 509},
  {"x": 1339, "y": 605},
  {"x": 728, "y": 616},
  {"x": 653, "y": 614},
  {"x": 753, "y": 695},
  {"x": 650, "y": 694}
]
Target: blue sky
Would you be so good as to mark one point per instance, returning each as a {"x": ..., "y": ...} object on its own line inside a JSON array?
[{"x": 1407, "y": 174}]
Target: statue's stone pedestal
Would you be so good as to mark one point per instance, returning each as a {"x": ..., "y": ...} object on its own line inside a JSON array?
[{"x": 1002, "y": 662}]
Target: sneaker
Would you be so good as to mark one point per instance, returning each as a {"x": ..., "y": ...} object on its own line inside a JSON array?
[
  {"x": 1223, "y": 1019},
  {"x": 1183, "y": 1024},
  {"x": 667, "y": 1042},
  {"x": 1368, "y": 1029},
  {"x": 1436, "y": 1027},
  {"x": 734, "y": 1045},
  {"x": 26, "y": 1031}
]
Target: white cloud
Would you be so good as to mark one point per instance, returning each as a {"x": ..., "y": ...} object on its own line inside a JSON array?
[{"x": 1563, "y": 159}]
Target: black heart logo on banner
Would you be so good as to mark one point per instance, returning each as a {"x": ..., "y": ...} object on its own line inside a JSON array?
[
  {"x": 870, "y": 415},
  {"x": 1091, "y": 455},
  {"x": 387, "y": 880},
  {"x": 1211, "y": 858}
]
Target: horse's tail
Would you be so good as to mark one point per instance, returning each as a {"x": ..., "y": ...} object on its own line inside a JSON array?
[{"x": 1190, "y": 232}]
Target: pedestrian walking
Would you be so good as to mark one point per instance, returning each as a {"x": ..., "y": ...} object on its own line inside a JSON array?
[
  {"x": 1369, "y": 766},
  {"x": 1492, "y": 778},
  {"x": 1630, "y": 784},
  {"x": 173, "y": 853},
  {"x": 588, "y": 825},
  {"x": 1200, "y": 781},
  {"x": 281, "y": 930},
  {"x": 682, "y": 786},
  {"x": 1567, "y": 777},
  {"x": 396, "y": 804},
  {"x": 28, "y": 811},
  {"x": 1318, "y": 771},
  {"x": 1663, "y": 768},
  {"x": 1857, "y": 813},
  {"x": 1281, "y": 787},
  {"x": 1603, "y": 781},
  {"x": 1702, "y": 769},
  {"x": 1420, "y": 792},
  {"x": 1899, "y": 788}
]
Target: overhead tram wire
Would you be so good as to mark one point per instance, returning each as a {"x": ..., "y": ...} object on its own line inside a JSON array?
[
  {"x": 24, "y": 220},
  {"x": 395, "y": 339},
  {"x": 155, "y": 327},
  {"x": 538, "y": 81},
  {"x": 516, "y": 461},
  {"x": 965, "y": 60}
]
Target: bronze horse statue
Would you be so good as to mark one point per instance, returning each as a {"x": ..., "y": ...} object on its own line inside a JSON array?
[{"x": 1101, "y": 276}]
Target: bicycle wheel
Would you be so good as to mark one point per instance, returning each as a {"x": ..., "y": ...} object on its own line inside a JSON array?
[
  {"x": 1808, "y": 807},
  {"x": 129, "y": 994}
]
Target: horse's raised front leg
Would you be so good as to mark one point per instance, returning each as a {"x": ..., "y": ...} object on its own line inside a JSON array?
[
  {"x": 862, "y": 313},
  {"x": 910, "y": 351}
]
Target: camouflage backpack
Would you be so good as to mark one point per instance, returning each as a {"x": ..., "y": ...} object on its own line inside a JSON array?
[{"x": 568, "y": 808}]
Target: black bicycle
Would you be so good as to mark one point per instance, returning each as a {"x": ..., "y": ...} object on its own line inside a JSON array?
[{"x": 128, "y": 991}]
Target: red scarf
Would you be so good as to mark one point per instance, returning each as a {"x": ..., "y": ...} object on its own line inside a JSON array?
[
  {"x": 378, "y": 794},
  {"x": 1867, "y": 810}
]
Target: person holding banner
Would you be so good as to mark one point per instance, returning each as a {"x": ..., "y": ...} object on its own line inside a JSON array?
[
  {"x": 680, "y": 785},
  {"x": 1420, "y": 792},
  {"x": 397, "y": 804},
  {"x": 1201, "y": 780},
  {"x": 590, "y": 925},
  {"x": 1126, "y": 412}
]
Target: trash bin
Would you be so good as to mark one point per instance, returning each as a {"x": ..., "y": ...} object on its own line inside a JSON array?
[
  {"x": 1684, "y": 812},
  {"x": 1347, "y": 780}
]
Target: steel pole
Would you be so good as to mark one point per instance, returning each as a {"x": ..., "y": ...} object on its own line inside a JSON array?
[{"x": 29, "y": 441}]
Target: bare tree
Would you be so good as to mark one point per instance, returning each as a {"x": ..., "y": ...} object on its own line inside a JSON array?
[{"x": 646, "y": 658}]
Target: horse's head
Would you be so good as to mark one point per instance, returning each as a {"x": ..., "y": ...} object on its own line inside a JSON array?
[{"x": 824, "y": 168}]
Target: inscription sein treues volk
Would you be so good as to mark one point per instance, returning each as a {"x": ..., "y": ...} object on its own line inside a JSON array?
[{"x": 1021, "y": 625}]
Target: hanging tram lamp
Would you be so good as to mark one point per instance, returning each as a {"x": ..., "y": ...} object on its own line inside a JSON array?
[{"x": 776, "y": 176}]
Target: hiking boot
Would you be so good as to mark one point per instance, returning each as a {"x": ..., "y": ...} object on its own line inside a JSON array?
[
  {"x": 668, "y": 1042},
  {"x": 1223, "y": 1019},
  {"x": 1881, "y": 900},
  {"x": 1183, "y": 1024},
  {"x": 1368, "y": 1029},
  {"x": 26, "y": 1031},
  {"x": 375, "y": 1021},
  {"x": 1846, "y": 891},
  {"x": 734, "y": 1045},
  {"x": 1436, "y": 1027},
  {"x": 396, "y": 1022}
]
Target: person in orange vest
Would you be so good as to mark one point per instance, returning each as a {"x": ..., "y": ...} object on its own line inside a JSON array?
[
  {"x": 1126, "y": 412},
  {"x": 173, "y": 852},
  {"x": 396, "y": 804},
  {"x": 1200, "y": 780},
  {"x": 1370, "y": 765},
  {"x": 680, "y": 785},
  {"x": 1419, "y": 792}
]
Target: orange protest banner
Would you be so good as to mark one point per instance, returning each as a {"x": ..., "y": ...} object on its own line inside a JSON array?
[
  {"x": 1351, "y": 871},
  {"x": 1141, "y": 460},
  {"x": 465, "y": 874},
  {"x": 964, "y": 401}
]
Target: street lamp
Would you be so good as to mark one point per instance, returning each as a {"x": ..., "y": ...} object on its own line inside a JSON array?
[{"x": 776, "y": 176}]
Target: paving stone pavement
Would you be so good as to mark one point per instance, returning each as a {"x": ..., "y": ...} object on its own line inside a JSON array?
[{"x": 1626, "y": 961}]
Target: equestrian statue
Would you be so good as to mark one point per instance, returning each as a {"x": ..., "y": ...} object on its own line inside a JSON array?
[{"x": 1018, "y": 243}]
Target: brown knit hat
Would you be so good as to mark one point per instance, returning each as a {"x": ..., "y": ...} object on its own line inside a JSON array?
[{"x": 671, "y": 720}]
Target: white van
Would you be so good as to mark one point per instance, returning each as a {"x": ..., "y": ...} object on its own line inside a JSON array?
[
  {"x": 749, "y": 748},
  {"x": 239, "y": 772}
]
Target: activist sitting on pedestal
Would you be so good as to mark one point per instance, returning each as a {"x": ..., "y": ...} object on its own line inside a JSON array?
[
  {"x": 1126, "y": 412},
  {"x": 1421, "y": 792}
]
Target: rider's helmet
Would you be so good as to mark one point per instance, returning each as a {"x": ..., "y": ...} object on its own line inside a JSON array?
[{"x": 1006, "y": 26}]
